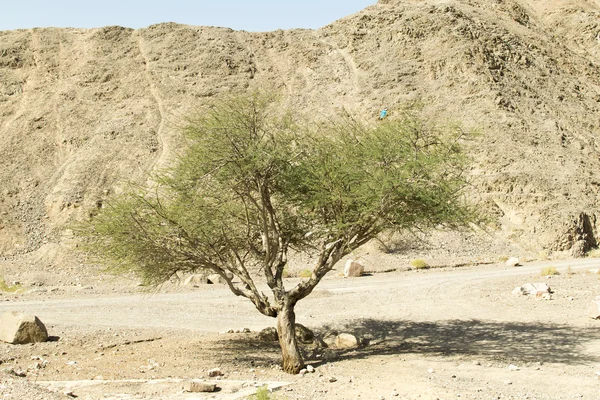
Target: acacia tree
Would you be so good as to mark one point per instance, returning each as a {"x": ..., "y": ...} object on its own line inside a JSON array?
[{"x": 254, "y": 184}]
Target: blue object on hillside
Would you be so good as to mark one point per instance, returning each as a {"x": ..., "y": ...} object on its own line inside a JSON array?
[{"x": 383, "y": 113}]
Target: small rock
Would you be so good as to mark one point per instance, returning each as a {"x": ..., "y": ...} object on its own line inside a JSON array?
[
  {"x": 508, "y": 382},
  {"x": 394, "y": 394},
  {"x": 215, "y": 372},
  {"x": 431, "y": 370},
  {"x": 310, "y": 368},
  {"x": 303, "y": 371},
  {"x": 513, "y": 367},
  {"x": 215, "y": 279},
  {"x": 197, "y": 386},
  {"x": 19, "y": 328},
  {"x": 512, "y": 262},
  {"x": 303, "y": 334},
  {"x": 332, "y": 379},
  {"x": 532, "y": 289},
  {"x": 346, "y": 341},
  {"x": 353, "y": 269},
  {"x": 268, "y": 335}
]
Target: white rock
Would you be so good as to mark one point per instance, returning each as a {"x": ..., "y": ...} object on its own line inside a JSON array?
[
  {"x": 512, "y": 262},
  {"x": 353, "y": 269},
  {"x": 513, "y": 367},
  {"x": 346, "y": 341},
  {"x": 532, "y": 289},
  {"x": 19, "y": 328},
  {"x": 310, "y": 368},
  {"x": 215, "y": 279},
  {"x": 194, "y": 280}
]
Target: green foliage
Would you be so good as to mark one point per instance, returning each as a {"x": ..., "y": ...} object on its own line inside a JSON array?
[
  {"x": 254, "y": 182},
  {"x": 419, "y": 264},
  {"x": 305, "y": 273},
  {"x": 262, "y": 393},
  {"x": 5, "y": 287},
  {"x": 549, "y": 271}
]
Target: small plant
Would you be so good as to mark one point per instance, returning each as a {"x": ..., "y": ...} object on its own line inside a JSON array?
[
  {"x": 285, "y": 273},
  {"x": 5, "y": 287},
  {"x": 262, "y": 393},
  {"x": 503, "y": 259},
  {"x": 305, "y": 273},
  {"x": 549, "y": 271},
  {"x": 419, "y": 264}
]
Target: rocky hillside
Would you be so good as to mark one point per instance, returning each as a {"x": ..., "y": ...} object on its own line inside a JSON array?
[{"x": 83, "y": 110}]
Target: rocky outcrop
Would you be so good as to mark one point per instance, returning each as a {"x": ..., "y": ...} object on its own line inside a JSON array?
[{"x": 82, "y": 109}]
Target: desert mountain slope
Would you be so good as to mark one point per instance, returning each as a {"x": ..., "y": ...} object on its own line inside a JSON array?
[{"x": 83, "y": 110}]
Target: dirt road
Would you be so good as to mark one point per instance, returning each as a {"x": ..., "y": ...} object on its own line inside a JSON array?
[
  {"x": 433, "y": 334},
  {"x": 422, "y": 295}
]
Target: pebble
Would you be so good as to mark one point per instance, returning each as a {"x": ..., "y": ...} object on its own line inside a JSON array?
[
  {"x": 310, "y": 368},
  {"x": 215, "y": 372},
  {"x": 513, "y": 367},
  {"x": 332, "y": 379}
]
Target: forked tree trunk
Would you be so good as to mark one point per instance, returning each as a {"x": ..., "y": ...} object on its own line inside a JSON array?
[{"x": 286, "y": 326}]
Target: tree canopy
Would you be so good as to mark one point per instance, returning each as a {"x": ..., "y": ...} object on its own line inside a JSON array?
[{"x": 257, "y": 181}]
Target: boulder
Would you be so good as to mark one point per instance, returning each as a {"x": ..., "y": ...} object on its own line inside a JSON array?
[
  {"x": 197, "y": 386},
  {"x": 268, "y": 335},
  {"x": 346, "y": 341},
  {"x": 512, "y": 262},
  {"x": 304, "y": 335},
  {"x": 353, "y": 269},
  {"x": 215, "y": 279},
  {"x": 19, "y": 328},
  {"x": 195, "y": 280},
  {"x": 541, "y": 290}
]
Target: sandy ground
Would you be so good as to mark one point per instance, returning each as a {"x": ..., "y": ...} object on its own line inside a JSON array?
[{"x": 437, "y": 334}]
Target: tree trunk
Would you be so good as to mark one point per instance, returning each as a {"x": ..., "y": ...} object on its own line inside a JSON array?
[{"x": 286, "y": 327}]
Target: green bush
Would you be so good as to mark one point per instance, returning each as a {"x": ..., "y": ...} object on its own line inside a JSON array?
[
  {"x": 305, "y": 273},
  {"x": 549, "y": 271},
  {"x": 419, "y": 264},
  {"x": 262, "y": 393},
  {"x": 5, "y": 287}
]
